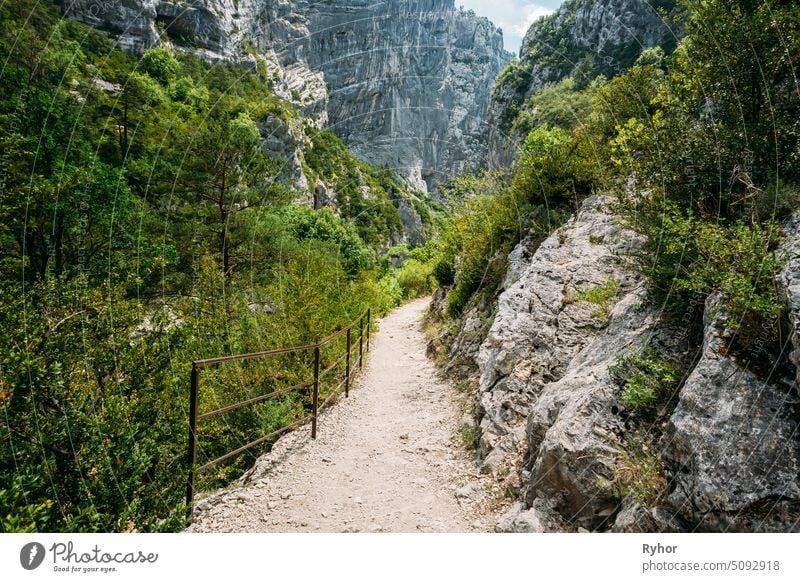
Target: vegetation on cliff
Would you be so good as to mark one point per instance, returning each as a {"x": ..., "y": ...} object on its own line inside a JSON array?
[
  {"x": 144, "y": 227},
  {"x": 700, "y": 146}
]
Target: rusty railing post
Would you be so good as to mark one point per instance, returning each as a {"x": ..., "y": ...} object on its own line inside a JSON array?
[
  {"x": 361, "y": 341},
  {"x": 315, "y": 394},
  {"x": 347, "y": 368},
  {"x": 192, "y": 453},
  {"x": 369, "y": 318}
]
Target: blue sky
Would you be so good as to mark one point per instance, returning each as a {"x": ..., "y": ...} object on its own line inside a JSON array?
[{"x": 513, "y": 16}]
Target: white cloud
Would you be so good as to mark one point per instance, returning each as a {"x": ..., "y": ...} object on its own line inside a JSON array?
[
  {"x": 513, "y": 16},
  {"x": 532, "y": 13}
]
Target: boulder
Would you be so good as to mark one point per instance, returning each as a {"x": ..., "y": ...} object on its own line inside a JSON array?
[
  {"x": 541, "y": 324},
  {"x": 732, "y": 443}
]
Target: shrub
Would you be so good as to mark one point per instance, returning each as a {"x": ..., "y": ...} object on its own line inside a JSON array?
[
  {"x": 686, "y": 256},
  {"x": 415, "y": 279},
  {"x": 485, "y": 225},
  {"x": 561, "y": 105},
  {"x": 557, "y": 169},
  {"x": 324, "y": 225},
  {"x": 640, "y": 473},
  {"x": 777, "y": 201},
  {"x": 159, "y": 63},
  {"x": 648, "y": 380},
  {"x": 469, "y": 437},
  {"x": 444, "y": 270}
]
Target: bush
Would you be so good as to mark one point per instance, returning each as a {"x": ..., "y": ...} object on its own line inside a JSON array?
[
  {"x": 648, "y": 380},
  {"x": 382, "y": 293},
  {"x": 324, "y": 225},
  {"x": 159, "y": 63},
  {"x": 640, "y": 473},
  {"x": 561, "y": 105},
  {"x": 485, "y": 225},
  {"x": 469, "y": 437},
  {"x": 557, "y": 169},
  {"x": 444, "y": 270},
  {"x": 778, "y": 201},
  {"x": 415, "y": 279},
  {"x": 686, "y": 256}
]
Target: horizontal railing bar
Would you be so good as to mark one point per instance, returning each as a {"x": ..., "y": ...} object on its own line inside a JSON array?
[
  {"x": 254, "y": 443},
  {"x": 333, "y": 365},
  {"x": 223, "y": 359},
  {"x": 255, "y": 400},
  {"x": 193, "y": 413},
  {"x": 308, "y": 347},
  {"x": 333, "y": 336},
  {"x": 333, "y": 393}
]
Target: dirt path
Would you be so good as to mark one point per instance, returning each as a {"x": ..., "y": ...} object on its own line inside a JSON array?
[{"x": 386, "y": 459}]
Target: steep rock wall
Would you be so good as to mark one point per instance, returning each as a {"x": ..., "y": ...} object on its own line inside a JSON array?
[
  {"x": 409, "y": 82},
  {"x": 406, "y": 83}
]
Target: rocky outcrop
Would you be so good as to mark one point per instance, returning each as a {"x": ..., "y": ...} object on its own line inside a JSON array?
[
  {"x": 789, "y": 286},
  {"x": 732, "y": 443},
  {"x": 574, "y": 430},
  {"x": 553, "y": 423},
  {"x": 542, "y": 323},
  {"x": 286, "y": 141},
  {"x": 582, "y": 39},
  {"x": 412, "y": 223},
  {"x": 405, "y": 83},
  {"x": 548, "y": 403},
  {"x": 216, "y": 28}
]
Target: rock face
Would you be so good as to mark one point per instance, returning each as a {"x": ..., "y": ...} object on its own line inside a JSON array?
[
  {"x": 405, "y": 83},
  {"x": 548, "y": 402},
  {"x": 583, "y": 39},
  {"x": 409, "y": 82},
  {"x": 733, "y": 443},
  {"x": 216, "y": 26},
  {"x": 789, "y": 286},
  {"x": 552, "y": 421},
  {"x": 542, "y": 324}
]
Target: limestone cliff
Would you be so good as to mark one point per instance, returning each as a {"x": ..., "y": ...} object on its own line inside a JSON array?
[
  {"x": 409, "y": 82},
  {"x": 406, "y": 83}
]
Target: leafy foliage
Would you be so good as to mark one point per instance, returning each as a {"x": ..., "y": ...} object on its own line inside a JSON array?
[
  {"x": 376, "y": 217},
  {"x": 649, "y": 380},
  {"x": 491, "y": 213},
  {"x": 702, "y": 148},
  {"x": 640, "y": 473},
  {"x": 142, "y": 227}
]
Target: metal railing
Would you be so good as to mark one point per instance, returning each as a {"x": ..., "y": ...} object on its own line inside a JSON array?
[{"x": 363, "y": 321}]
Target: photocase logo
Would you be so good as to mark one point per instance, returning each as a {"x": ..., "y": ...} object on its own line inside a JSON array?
[{"x": 31, "y": 556}]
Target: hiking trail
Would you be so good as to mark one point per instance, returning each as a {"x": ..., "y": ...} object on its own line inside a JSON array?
[{"x": 387, "y": 459}]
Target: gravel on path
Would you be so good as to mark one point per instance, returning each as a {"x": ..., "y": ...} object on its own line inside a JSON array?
[{"x": 386, "y": 459}]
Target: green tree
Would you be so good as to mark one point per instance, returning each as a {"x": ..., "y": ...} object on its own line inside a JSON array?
[
  {"x": 139, "y": 94},
  {"x": 159, "y": 63},
  {"x": 225, "y": 170}
]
